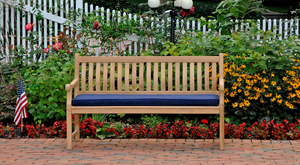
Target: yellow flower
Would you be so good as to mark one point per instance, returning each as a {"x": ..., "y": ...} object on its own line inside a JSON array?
[
  {"x": 239, "y": 90},
  {"x": 54, "y": 37},
  {"x": 264, "y": 72},
  {"x": 266, "y": 86},
  {"x": 232, "y": 94},
  {"x": 273, "y": 99},
  {"x": 284, "y": 78},
  {"x": 241, "y": 105},
  {"x": 291, "y": 106},
  {"x": 243, "y": 66},
  {"x": 278, "y": 88},
  {"x": 234, "y": 105},
  {"x": 248, "y": 87},
  {"x": 278, "y": 96},
  {"x": 225, "y": 54},
  {"x": 273, "y": 83},
  {"x": 226, "y": 100},
  {"x": 262, "y": 101},
  {"x": 234, "y": 87},
  {"x": 4, "y": 103},
  {"x": 239, "y": 79},
  {"x": 272, "y": 74},
  {"x": 279, "y": 101},
  {"x": 247, "y": 103},
  {"x": 187, "y": 42},
  {"x": 246, "y": 93},
  {"x": 245, "y": 58},
  {"x": 289, "y": 88},
  {"x": 48, "y": 46}
]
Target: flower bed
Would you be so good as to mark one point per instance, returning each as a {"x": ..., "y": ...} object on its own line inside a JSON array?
[{"x": 185, "y": 130}]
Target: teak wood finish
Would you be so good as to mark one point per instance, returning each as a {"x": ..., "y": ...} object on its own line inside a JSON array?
[{"x": 145, "y": 75}]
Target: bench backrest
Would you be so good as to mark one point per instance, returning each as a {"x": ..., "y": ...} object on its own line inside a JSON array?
[{"x": 148, "y": 74}]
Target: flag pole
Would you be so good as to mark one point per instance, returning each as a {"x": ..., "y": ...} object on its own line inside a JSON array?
[{"x": 21, "y": 124}]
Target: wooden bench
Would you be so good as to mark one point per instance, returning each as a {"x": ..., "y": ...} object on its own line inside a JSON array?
[{"x": 145, "y": 85}]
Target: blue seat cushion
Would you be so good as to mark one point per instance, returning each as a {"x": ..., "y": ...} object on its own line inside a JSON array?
[{"x": 145, "y": 100}]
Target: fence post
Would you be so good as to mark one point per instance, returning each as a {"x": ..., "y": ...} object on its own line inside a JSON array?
[{"x": 79, "y": 8}]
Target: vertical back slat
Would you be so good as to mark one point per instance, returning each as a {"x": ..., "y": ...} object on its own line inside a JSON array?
[
  {"x": 126, "y": 76},
  {"x": 177, "y": 76},
  {"x": 192, "y": 80},
  {"x": 163, "y": 76},
  {"x": 76, "y": 90},
  {"x": 141, "y": 77},
  {"x": 83, "y": 76},
  {"x": 214, "y": 76},
  {"x": 206, "y": 79},
  {"x": 184, "y": 76},
  {"x": 112, "y": 76},
  {"x": 133, "y": 76},
  {"x": 105, "y": 72},
  {"x": 148, "y": 76},
  {"x": 199, "y": 76},
  {"x": 120, "y": 76},
  {"x": 98, "y": 75},
  {"x": 91, "y": 75},
  {"x": 155, "y": 76},
  {"x": 170, "y": 76}
]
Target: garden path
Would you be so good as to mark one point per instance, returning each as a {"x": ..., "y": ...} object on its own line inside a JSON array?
[{"x": 148, "y": 151}]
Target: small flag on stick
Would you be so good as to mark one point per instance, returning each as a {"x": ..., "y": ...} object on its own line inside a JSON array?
[{"x": 22, "y": 102}]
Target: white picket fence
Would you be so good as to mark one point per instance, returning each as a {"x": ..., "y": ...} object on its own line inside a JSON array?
[{"x": 12, "y": 31}]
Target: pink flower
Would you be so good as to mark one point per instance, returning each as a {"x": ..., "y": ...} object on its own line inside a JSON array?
[
  {"x": 33, "y": 23},
  {"x": 28, "y": 27},
  {"x": 46, "y": 50},
  {"x": 57, "y": 45},
  {"x": 96, "y": 26}
]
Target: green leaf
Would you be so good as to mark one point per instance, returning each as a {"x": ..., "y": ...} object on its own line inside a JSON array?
[{"x": 50, "y": 99}]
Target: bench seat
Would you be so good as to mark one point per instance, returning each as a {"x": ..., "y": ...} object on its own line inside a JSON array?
[{"x": 145, "y": 100}]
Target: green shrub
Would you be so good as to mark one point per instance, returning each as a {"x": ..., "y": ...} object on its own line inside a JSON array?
[
  {"x": 45, "y": 86},
  {"x": 261, "y": 76}
]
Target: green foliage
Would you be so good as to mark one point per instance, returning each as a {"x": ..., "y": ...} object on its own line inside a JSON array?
[
  {"x": 152, "y": 121},
  {"x": 45, "y": 86},
  {"x": 101, "y": 132},
  {"x": 253, "y": 54}
]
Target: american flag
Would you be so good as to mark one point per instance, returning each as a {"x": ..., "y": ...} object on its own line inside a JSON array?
[{"x": 22, "y": 102}]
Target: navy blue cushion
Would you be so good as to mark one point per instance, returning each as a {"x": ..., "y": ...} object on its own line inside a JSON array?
[{"x": 145, "y": 100}]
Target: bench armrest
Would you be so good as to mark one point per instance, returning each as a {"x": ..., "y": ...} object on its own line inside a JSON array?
[
  {"x": 72, "y": 85},
  {"x": 221, "y": 84}
]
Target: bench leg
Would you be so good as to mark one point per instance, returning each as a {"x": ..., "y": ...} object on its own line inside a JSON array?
[
  {"x": 222, "y": 127},
  {"x": 77, "y": 127},
  {"x": 69, "y": 129}
]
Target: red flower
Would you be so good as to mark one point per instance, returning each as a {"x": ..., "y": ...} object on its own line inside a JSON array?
[
  {"x": 57, "y": 45},
  {"x": 185, "y": 14},
  {"x": 204, "y": 121},
  {"x": 46, "y": 50},
  {"x": 28, "y": 27},
  {"x": 96, "y": 26}
]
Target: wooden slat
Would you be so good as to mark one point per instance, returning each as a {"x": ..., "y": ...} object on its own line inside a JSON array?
[
  {"x": 199, "y": 76},
  {"x": 126, "y": 76},
  {"x": 155, "y": 78},
  {"x": 91, "y": 76},
  {"x": 141, "y": 77},
  {"x": 206, "y": 79},
  {"x": 148, "y": 76},
  {"x": 150, "y": 59},
  {"x": 112, "y": 76},
  {"x": 184, "y": 76},
  {"x": 170, "y": 76},
  {"x": 177, "y": 76},
  {"x": 133, "y": 76},
  {"x": 120, "y": 72},
  {"x": 76, "y": 90},
  {"x": 214, "y": 76},
  {"x": 105, "y": 72},
  {"x": 221, "y": 66},
  {"x": 192, "y": 78},
  {"x": 148, "y": 109},
  {"x": 163, "y": 77},
  {"x": 83, "y": 76},
  {"x": 98, "y": 75}
]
